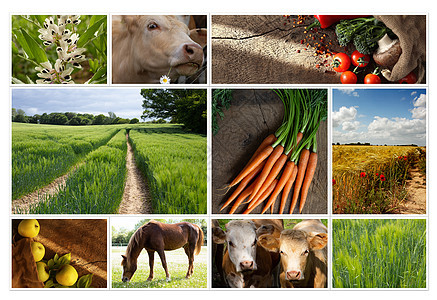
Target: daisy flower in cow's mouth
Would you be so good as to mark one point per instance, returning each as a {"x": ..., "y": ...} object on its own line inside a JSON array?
[{"x": 164, "y": 79}]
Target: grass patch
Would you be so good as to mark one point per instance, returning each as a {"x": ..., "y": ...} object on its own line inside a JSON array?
[
  {"x": 177, "y": 263},
  {"x": 372, "y": 253}
]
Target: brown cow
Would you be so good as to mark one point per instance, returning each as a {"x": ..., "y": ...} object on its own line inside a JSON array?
[
  {"x": 144, "y": 48},
  {"x": 245, "y": 263},
  {"x": 303, "y": 254}
]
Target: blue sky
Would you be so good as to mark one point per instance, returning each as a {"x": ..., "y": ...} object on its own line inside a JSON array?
[
  {"x": 124, "y": 102},
  {"x": 379, "y": 116}
]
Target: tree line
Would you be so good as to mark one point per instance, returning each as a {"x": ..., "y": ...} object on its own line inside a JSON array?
[{"x": 69, "y": 118}]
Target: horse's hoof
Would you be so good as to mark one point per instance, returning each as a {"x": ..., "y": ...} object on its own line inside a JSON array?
[
  {"x": 150, "y": 279},
  {"x": 168, "y": 279}
]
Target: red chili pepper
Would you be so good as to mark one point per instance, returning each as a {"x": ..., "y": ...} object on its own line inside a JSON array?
[{"x": 324, "y": 21}]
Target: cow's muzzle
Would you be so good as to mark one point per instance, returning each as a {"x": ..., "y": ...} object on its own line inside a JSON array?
[
  {"x": 246, "y": 265},
  {"x": 294, "y": 275}
]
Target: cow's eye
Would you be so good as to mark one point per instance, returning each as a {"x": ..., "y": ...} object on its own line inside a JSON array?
[
  {"x": 254, "y": 244},
  {"x": 231, "y": 244},
  {"x": 306, "y": 252},
  {"x": 152, "y": 26}
]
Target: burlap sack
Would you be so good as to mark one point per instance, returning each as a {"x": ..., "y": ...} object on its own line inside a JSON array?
[
  {"x": 24, "y": 274},
  {"x": 411, "y": 31},
  {"x": 85, "y": 239}
]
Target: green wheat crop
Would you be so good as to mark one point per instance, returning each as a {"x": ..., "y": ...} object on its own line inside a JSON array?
[
  {"x": 41, "y": 153},
  {"x": 174, "y": 163},
  {"x": 95, "y": 187}
]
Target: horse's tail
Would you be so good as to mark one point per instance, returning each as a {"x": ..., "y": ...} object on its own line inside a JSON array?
[{"x": 199, "y": 243}]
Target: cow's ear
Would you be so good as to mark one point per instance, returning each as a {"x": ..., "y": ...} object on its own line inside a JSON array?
[
  {"x": 269, "y": 242},
  {"x": 218, "y": 235},
  {"x": 131, "y": 22},
  {"x": 318, "y": 240},
  {"x": 265, "y": 229},
  {"x": 199, "y": 36}
]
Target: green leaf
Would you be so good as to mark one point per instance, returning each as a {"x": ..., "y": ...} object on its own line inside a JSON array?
[
  {"x": 89, "y": 33},
  {"x": 51, "y": 263},
  {"x": 56, "y": 258},
  {"x": 99, "y": 76},
  {"x": 23, "y": 43},
  {"x": 49, "y": 283},
  {"x": 37, "y": 52},
  {"x": 85, "y": 281},
  {"x": 16, "y": 81}
]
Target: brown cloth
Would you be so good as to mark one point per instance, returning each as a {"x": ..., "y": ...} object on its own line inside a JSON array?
[
  {"x": 85, "y": 239},
  {"x": 24, "y": 274},
  {"x": 411, "y": 31}
]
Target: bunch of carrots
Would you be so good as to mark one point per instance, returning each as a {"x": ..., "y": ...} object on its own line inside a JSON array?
[{"x": 287, "y": 157}]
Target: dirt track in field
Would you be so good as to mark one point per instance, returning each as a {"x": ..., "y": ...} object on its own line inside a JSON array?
[
  {"x": 136, "y": 198},
  {"x": 416, "y": 201},
  {"x": 23, "y": 204}
]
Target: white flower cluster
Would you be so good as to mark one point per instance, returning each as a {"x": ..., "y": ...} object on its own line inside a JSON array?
[{"x": 66, "y": 48}]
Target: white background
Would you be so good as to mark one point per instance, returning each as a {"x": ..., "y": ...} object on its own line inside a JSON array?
[{"x": 206, "y": 7}]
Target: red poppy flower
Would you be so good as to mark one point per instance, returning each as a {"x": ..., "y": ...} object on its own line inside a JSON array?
[
  {"x": 333, "y": 181},
  {"x": 405, "y": 158},
  {"x": 377, "y": 174},
  {"x": 382, "y": 177},
  {"x": 363, "y": 174}
]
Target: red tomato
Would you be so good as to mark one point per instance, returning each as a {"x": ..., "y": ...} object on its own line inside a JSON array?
[
  {"x": 360, "y": 60},
  {"x": 341, "y": 62},
  {"x": 372, "y": 79},
  {"x": 410, "y": 79},
  {"x": 348, "y": 77}
]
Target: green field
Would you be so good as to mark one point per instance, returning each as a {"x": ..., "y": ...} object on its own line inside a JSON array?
[
  {"x": 375, "y": 253},
  {"x": 175, "y": 164},
  {"x": 173, "y": 161},
  {"x": 177, "y": 263}
]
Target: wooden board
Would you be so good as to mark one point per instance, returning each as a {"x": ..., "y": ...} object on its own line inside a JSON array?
[{"x": 252, "y": 116}]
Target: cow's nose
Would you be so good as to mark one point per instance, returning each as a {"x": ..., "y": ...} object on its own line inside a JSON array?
[
  {"x": 246, "y": 265},
  {"x": 293, "y": 275},
  {"x": 193, "y": 51}
]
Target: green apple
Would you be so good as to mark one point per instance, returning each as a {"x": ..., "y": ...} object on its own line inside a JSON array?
[
  {"x": 38, "y": 250},
  {"x": 28, "y": 228},
  {"x": 41, "y": 267},
  {"x": 67, "y": 275}
]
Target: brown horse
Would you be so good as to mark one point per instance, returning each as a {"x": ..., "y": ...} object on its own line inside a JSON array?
[{"x": 157, "y": 236}]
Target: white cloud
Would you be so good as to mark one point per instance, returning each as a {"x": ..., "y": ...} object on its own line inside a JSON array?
[
  {"x": 413, "y": 93},
  {"x": 397, "y": 130},
  {"x": 350, "y": 92},
  {"x": 350, "y": 125},
  {"x": 344, "y": 114},
  {"x": 420, "y": 100}
]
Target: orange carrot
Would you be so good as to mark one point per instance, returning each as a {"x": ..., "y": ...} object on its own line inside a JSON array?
[
  {"x": 270, "y": 139},
  {"x": 303, "y": 161},
  {"x": 277, "y": 167},
  {"x": 243, "y": 184},
  {"x": 309, "y": 174},
  {"x": 267, "y": 168},
  {"x": 287, "y": 189},
  {"x": 246, "y": 193},
  {"x": 288, "y": 170},
  {"x": 263, "y": 197},
  {"x": 253, "y": 164}
]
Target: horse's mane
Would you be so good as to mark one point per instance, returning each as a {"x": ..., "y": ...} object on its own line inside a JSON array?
[{"x": 134, "y": 240}]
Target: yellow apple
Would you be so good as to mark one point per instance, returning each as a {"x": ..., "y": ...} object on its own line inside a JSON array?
[
  {"x": 28, "y": 228},
  {"x": 67, "y": 275},
  {"x": 41, "y": 267},
  {"x": 38, "y": 250}
]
